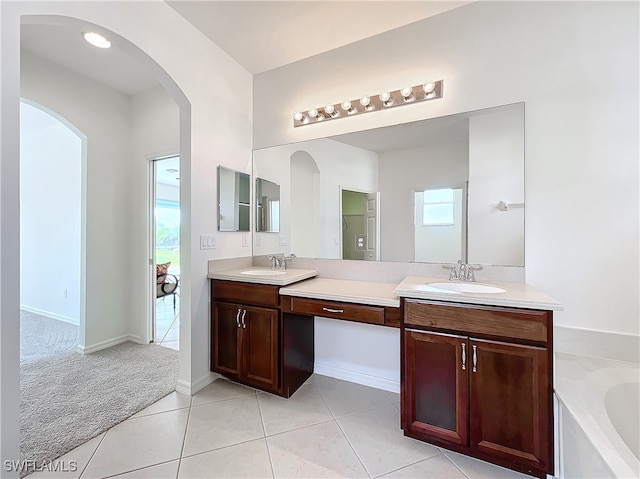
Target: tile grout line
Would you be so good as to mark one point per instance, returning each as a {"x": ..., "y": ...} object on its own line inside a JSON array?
[
  {"x": 454, "y": 464},
  {"x": 93, "y": 454},
  {"x": 411, "y": 464},
  {"x": 184, "y": 439},
  {"x": 264, "y": 431}
]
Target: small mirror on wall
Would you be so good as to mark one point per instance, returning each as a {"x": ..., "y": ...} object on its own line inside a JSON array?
[
  {"x": 267, "y": 206},
  {"x": 234, "y": 194}
]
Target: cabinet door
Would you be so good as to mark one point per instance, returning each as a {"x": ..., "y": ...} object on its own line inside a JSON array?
[
  {"x": 226, "y": 338},
  {"x": 510, "y": 411},
  {"x": 436, "y": 385},
  {"x": 260, "y": 346}
]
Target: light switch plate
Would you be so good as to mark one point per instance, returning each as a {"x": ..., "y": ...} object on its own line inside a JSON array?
[
  {"x": 284, "y": 240},
  {"x": 207, "y": 242}
]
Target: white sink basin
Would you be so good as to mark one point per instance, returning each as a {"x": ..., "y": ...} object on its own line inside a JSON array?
[
  {"x": 465, "y": 288},
  {"x": 263, "y": 272}
]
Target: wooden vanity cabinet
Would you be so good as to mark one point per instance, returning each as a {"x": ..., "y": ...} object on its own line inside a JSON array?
[
  {"x": 253, "y": 343},
  {"x": 478, "y": 380}
]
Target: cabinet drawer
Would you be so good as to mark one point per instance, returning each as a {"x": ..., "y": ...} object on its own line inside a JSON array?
[
  {"x": 246, "y": 293},
  {"x": 331, "y": 309},
  {"x": 530, "y": 325}
]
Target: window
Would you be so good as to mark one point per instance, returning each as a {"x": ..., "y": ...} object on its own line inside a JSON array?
[{"x": 438, "y": 207}]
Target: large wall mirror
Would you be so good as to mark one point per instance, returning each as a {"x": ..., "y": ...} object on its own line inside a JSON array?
[
  {"x": 234, "y": 195},
  {"x": 436, "y": 190}
]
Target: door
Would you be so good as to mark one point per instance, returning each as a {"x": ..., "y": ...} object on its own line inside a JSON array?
[
  {"x": 510, "y": 413},
  {"x": 260, "y": 346},
  {"x": 436, "y": 385},
  {"x": 226, "y": 340},
  {"x": 165, "y": 251},
  {"x": 372, "y": 222}
]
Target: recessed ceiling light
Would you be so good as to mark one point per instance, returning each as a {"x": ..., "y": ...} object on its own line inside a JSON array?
[{"x": 96, "y": 40}]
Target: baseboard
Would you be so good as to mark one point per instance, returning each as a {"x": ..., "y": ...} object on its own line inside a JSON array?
[
  {"x": 600, "y": 344},
  {"x": 51, "y": 315},
  {"x": 357, "y": 377},
  {"x": 185, "y": 387},
  {"x": 134, "y": 338}
]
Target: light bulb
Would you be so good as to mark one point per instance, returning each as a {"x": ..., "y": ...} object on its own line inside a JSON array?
[
  {"x": 365, "y": 100},
  {"x": 346, "y": 105},
  {"x": 385, "y": 96},
  {"x": 406, "y": 92},
  {"x": 313, "y": 113},
  {"x": 298, "y": 116},
  {"x": 429, "y": 87},
  {"x": 96, "y": 40},
  {"x": 329, "y": 109}
]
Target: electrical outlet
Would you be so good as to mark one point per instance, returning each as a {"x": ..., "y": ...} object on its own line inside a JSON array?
[
  {"x": 284, "y": 240},
  {"x": 245, "y": 240},
  {"x": 207, "y": 242},
  {"x": 259, "y": 240}
]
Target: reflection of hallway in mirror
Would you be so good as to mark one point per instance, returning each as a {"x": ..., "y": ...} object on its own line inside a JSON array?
[
  {"x": 353, "y": 225},
  {"x": 305, "y": 195}
]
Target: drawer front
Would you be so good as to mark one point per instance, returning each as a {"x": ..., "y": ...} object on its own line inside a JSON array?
[
  {"x": 332, "y": 309},
  {"x": 246, "y": 293},
  {"x": 530, "y": 325}
]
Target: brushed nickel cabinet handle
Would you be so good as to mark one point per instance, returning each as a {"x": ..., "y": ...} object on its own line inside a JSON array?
[
  {"x": 244, "y": 313},
  {"x": 464, "y": 356},
  {"x": 238, "y": 317},
  {"x": 330, "y": 310},
  {"x": 475, "y": 358}
]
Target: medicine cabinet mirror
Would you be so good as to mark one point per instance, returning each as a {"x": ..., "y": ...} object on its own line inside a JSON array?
[
  {"x": 267, "y": 206},
  {"x": 447, "y": 188},
  {"x": 234, "y": 195}
]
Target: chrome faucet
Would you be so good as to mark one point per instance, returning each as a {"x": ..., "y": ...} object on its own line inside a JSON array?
[
  {"x": 462, "y": 271},
  {"x": 279, "y": 262}
]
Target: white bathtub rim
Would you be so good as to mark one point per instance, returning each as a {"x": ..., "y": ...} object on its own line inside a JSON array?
[{"x": 589, "y": 409}]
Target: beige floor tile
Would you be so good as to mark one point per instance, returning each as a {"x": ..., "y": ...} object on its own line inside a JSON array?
[
  {"x": 393, "y": 397},
  {"x": 220, "y": 390},
  {"x": 314, "y": 452},
  {"x": 173, "y": 401},
  {"x": 379, "y": 442},
  {"x": 167, "y": 470},
  {"x": 249, "y": 459},
  {"x": 476, "y": 469},
  {"x": 437, "y": 467},
  {"x": 315, "y": 378},
  {"x": 304, "y": 408},
  {"x": 343, "y": 397},
  {"x": 139, "y": 442},
  {"x": 72, "y": 464},
  {"x": 223, "y": 423}
]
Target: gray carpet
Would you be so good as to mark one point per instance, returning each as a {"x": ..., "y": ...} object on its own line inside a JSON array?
[{"x": 68, "y": 398}]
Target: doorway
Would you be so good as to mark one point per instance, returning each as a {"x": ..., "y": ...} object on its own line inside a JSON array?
[
  {"x": 165, "y": 251},
  {"x": 359, "y": 214}
]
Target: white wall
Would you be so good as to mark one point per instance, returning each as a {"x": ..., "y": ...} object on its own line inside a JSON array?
[
  {"x": 50, "y": 176},
  {"x": 155, "y": 132},
  {"x": 578, "y": 77},
  {"x": 215, "y": 98},
  {"x": 339, "y": 165},
  {"x": 446, "y": 164},
  {"x": 105, "y": 174},
  {"x": 496, "y": 163}
]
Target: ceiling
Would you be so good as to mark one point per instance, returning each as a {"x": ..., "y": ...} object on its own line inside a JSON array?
[
  {"x": 260, "y": 35},
  {"x": 263, "y": 35}
]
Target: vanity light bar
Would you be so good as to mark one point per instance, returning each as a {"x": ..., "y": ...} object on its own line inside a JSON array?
[{"x": 383, "y": 101}]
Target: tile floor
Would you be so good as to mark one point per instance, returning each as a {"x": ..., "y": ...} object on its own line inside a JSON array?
[
  {"x": 168, "y": 323},
  {"x": 329, "y": 428}
]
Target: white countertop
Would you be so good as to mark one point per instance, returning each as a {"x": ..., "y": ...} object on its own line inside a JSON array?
[
  {"x": 361, "y": 292},
  {"x": 517, "y": 295},
  {"x": 281, "y": 278}
]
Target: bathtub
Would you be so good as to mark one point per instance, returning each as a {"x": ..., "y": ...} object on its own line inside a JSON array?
[{"x": 598, "y": 417}]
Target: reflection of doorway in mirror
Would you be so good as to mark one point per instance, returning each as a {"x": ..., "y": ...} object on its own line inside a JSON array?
[
  {"x": 360, "y": 232},
  {"x": 440, "y": 224}
]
